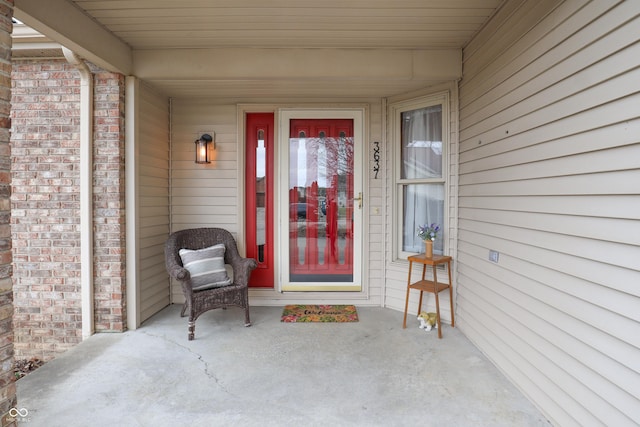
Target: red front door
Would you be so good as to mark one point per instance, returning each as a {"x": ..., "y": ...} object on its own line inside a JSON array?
[{"x": 321, "y": 192}]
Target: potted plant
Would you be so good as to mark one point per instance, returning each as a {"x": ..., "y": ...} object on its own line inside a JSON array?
[{"x": 428, "y": 233}]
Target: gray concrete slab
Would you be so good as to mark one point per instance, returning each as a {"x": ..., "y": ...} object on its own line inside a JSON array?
[{"x": 369, "y": 373}]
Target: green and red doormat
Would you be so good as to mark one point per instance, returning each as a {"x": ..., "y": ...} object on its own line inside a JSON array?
[{"x": 319, "y": 313}]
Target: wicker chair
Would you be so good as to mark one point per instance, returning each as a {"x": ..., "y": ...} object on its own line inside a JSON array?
[{"x": 198, "y": 302}]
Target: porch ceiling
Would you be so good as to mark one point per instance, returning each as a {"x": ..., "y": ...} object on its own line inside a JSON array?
[{"x": 115, "y": 34}]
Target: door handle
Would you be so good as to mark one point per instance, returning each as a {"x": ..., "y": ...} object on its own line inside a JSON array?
[{"x": 359, "y": 200}]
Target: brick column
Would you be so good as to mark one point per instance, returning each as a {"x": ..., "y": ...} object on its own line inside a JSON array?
[
  {"x": 7, "y": 379},
  {"x": 109, "y": 201}
]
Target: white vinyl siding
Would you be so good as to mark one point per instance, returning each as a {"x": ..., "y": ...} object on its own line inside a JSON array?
[
  {"x": 374, "y": 204},
  {"x": 204, "y": 195},
  {"x": 549, "y": 177},
  {"x": 210, "y": 195},
  {"x": 153, "y": 200}
]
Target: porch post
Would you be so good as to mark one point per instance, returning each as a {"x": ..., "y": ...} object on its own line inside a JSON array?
[{"x": 131, "y": 194}]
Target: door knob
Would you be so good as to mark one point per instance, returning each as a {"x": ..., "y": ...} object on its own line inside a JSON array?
[{"x": 359, "y": 200}]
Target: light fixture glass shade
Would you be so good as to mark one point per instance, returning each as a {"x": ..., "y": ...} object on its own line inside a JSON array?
[{"x": 203, "y": 147}]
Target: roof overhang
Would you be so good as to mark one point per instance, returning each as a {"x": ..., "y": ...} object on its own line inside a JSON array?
[{"x": 85, "y": 37}]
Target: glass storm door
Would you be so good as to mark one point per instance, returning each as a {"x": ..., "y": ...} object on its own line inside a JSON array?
[{"x": 323, "y": 206}]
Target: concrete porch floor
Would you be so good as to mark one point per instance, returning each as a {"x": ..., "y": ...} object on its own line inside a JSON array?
[{"x": 370, "y": 373}]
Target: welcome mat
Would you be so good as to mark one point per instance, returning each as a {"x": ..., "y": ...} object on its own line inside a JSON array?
[{"x": 319, "y": 313}]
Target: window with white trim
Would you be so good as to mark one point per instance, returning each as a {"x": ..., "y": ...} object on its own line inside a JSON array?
[{"x": 420, "y": 144}]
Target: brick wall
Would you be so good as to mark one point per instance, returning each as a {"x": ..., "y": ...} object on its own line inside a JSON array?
[
  {"x": 45, "y": 206},
  {"x": 7, "y": 379}
]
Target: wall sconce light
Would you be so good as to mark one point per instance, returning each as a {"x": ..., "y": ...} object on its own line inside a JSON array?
[{"x": 203, "y": 148}]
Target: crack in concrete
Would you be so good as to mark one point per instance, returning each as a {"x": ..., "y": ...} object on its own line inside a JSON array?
[{"x": 199, "y": 357}]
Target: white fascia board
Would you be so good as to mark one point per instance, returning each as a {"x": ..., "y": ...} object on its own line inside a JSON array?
[
  {"x": 277, "y": 64},
  {"x": 36, "y": 46}
]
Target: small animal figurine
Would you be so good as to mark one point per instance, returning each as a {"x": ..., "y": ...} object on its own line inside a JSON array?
[{"x": 427, "y": 320}]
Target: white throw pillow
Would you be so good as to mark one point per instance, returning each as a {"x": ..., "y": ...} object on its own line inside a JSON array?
[{"x": 206, "y": 267}]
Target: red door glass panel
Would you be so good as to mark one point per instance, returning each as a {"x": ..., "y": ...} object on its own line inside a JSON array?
[{"x": 321, "y": 200}]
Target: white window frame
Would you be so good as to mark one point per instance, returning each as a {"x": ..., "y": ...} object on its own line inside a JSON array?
[{"x": 395, "y": 113}]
